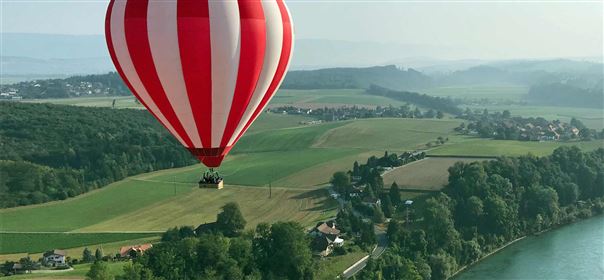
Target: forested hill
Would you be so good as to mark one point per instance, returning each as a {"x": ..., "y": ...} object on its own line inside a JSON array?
[
  {"x": 336, "y": 78},
  {"x": 50, "y": 152}
]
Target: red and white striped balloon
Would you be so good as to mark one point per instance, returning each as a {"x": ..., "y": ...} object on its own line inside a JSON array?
[{"x": 204, "y": 68}]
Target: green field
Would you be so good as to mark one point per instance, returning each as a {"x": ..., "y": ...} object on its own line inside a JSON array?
[
  {"x": 79, "y": 272},
  {"x": 426, "y": 174},
  {"x": 330, "y": 97},
  {"x": 38, "y": 242},
  {"x": 387, "y": 134},
  {"x": 493, "y": 148},
  {"x": 296, "y": 160}
]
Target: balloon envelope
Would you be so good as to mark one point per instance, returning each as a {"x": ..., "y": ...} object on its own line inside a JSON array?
[{"x": 204, "y": 68}]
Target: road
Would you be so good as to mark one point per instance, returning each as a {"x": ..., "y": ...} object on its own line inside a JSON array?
[
  {"x": 380, "y": 235},
  {"x": 382, "y": 243}
]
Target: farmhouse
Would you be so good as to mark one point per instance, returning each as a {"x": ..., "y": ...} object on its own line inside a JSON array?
[
  {"x": 54, "y": 257},
  {"x": 371, "y": 201},
  {"x": 326, "y": 237},
  {"x": 128, "y": 251}
]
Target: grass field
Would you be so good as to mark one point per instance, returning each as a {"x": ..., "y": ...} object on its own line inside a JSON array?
[
  {"x": 79, "y": 272},
  {"x": 38, "y": 242},
  {"x": 109, "y": 248},
  {"x": 427, "y": 174},
  {"x": 332, "y": 266},
  {"x": 487, "y": 147},
  {"x": 387, "y": 134}
]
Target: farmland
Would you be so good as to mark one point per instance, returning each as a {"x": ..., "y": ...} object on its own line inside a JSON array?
[
  {"x": 296, "y": 160},
  {"x": 496, "y": 92},
  {"x": 427, "y": 174},
  {"x": 491, "y": 148}
]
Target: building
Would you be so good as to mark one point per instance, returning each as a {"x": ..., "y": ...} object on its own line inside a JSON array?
[
  {"x": 55, "y": 257},
  {"x": 128, "y": 251},
  {"x": 325, "y": 237},
  {"x": 373, "y": 202}
]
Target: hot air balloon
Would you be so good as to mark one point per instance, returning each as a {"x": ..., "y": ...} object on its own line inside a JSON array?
[{"x": 205, "y": 69}]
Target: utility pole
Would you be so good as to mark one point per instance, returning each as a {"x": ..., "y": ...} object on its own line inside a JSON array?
[
  {"x": 174, "y": 184},
  {"x": 270, "y": 190}
]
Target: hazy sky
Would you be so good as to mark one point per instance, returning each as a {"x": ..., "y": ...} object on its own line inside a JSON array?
[{"x": 479, "y": 29}]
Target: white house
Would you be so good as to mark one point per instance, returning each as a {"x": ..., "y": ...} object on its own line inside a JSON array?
[{"x": 55, "y": 257}]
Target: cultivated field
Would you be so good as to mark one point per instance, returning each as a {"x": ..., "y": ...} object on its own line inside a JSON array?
[
  {"x": 387, "y": 134},
  {"x": 486, "y": 147},
  {"x": 428, "y": 174}
]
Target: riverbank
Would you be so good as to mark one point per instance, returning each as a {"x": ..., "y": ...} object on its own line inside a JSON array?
[
  {"x": 561, "y": 252},
  {"x": 463, "y": 268}
]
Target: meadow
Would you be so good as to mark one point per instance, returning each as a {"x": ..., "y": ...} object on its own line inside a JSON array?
[
  {"x": 428, "y": 174},
  {"x": 79, "y": 272},
  {"x": 38, "y": 242},
  {"x": 493, "y": 148},
  {"x": 296, "y": 160}
]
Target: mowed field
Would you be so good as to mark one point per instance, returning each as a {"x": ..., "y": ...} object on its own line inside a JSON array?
[
  {"x": 469, "y": 146},
  {"x": 295, "y": 160},
  {"x": 428, "y": 174}
]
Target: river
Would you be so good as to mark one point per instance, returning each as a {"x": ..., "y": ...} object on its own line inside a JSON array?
[{"x": 573, "y": 251}]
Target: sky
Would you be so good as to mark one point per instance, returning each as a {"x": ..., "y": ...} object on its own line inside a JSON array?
[{"x": 475, "y": 29}]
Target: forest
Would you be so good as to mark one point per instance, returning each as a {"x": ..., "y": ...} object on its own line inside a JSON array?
[
  {"x": 566, "y": 95},
  {"x": 446, "y": 105},
  {"x": 488, "y": 204},
  {"x": 81, "y": 149}
]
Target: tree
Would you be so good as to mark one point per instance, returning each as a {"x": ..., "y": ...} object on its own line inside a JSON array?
[
  {"x": 283, "y": 251},
  {"x": 87, "y": 255},
  {"x": 395, "y": 194},
  {"x": 378, "y": 215},
  {"x": 230, "y": 221},
  {"x": 440, "y": 115},
  {"x": 443, "y": 266},
  {"x": 99, "y": 271},
  {"x": 98, "y": 254},
  {"x": 387, "y": 207},
  {"x": 340, "y": 181}
]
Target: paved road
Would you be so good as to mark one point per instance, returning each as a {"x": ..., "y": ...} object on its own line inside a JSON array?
[{"x": 382, "y": 243}]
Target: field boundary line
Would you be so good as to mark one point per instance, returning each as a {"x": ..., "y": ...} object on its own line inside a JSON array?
[{"x": 83, "y": 232}]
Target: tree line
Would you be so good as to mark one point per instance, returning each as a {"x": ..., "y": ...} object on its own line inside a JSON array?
[
  {"x": 52, "y": 152},
  {"x": 353, "y": 112},
  {"x": 226, "y": 251},
  {"x": 488, "y": 204},
  {"x": 567, "y": 95},
  {"x": 446, "y": 105}
]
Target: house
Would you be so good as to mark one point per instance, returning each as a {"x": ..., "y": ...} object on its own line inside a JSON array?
[
  {"x": 322, "y": 246},
  {"x": 326, "y": 229},
  {"x": 325, "y": 237},
  {"x": 128, "y": 251},
  {"x": 55, "y": 257},
  {"x": 371, "y": 201}
]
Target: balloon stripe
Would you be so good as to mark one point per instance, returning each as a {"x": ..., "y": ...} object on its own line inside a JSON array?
[
  {"x": 118, "y": 49},
  {"x": 163, "y": 41},
  {"x": 140, "y": 53},
  {"x": 274, "y": 43},
  {"x": 196, "y": 62},
  {"x": 253, "y": 44},
  {"x": 284, "y": 60},
  {"x": 225, "y": 45}
]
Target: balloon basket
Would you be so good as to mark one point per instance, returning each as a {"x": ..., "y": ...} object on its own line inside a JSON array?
[{"x": 205, "y": 185}]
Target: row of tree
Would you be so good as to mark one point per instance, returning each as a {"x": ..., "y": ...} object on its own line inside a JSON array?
[
  {"x": 442, "y": 104},
  {"x": 487, "y": 204},
  {"x": 52, "y": 152},
  {"x": 353, "y": 112},
  {"x": 277, "y": 251}
]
